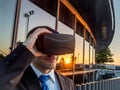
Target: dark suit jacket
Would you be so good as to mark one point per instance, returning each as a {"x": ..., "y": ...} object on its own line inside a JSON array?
[{"x": 16, "y": 74}]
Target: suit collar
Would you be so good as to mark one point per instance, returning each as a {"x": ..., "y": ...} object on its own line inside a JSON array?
[
  {"x": 30, "y": 79},
  {"x": 62, "y": 81},
  {"x": 38, "y": 73},
  {"x": 32, "y": 83}
]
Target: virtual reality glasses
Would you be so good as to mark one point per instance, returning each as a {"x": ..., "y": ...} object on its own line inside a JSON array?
[{"x": 56, "y": 44}]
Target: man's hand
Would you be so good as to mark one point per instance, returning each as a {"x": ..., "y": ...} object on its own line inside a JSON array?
[{"x": 31, "y": 40}]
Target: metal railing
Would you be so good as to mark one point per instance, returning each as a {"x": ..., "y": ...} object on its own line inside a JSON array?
[{"x": 109, "y": 84}]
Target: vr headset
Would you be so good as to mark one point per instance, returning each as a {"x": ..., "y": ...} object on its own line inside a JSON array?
[{"x": 56, "y": 44}]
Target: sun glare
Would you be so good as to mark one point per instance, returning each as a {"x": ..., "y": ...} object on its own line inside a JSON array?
[{"x": 67, "y": 61}]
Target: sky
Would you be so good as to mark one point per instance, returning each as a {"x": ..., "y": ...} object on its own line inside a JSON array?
[{"x": 115, "y": 44}]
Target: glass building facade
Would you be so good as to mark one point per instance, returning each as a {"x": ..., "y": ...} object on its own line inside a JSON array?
[{"x": 58, "y": 14}]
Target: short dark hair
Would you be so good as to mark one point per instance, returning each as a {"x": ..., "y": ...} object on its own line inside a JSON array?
[{"x": 47, "y": 27}]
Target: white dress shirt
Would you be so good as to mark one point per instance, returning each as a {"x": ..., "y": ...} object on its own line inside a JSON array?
[{"x": 52, "y": 82}]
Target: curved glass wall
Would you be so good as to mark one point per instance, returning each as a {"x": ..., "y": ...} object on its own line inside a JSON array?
[{"x": 40, "y": 15}]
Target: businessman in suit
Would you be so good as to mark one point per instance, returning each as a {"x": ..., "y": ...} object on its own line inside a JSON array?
[{"x": 23, "y": 67}]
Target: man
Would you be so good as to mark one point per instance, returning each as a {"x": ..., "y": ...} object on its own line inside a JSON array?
[{"x": 22, "y": 68}]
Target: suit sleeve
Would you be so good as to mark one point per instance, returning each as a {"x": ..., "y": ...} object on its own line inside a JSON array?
[{"x": 13, "y": 67}]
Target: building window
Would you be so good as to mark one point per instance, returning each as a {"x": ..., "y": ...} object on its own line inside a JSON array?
[
  {"x": 66, "y": 16},
  {"x": 39, "y": 18},
  {"x": 48, "y": 5},
  {"x": 87, "y": 36},
  {"x": 79, "y": 28}
]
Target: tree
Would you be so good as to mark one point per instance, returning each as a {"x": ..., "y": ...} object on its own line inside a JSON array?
[{"x": 104, "y": 56}]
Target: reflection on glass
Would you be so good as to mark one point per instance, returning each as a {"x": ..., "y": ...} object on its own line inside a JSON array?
[
  {"x": 65, "y": 62},
  {"x": 86, "y": 53},
  {"x": 62, "y": 28},
  {"x": 39, "y": 18},
  {"x": 79, "y": 49},
  {"x": 93, "y": 55}
]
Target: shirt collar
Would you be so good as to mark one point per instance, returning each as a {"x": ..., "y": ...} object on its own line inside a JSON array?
[{"x": 38, "y": 73}]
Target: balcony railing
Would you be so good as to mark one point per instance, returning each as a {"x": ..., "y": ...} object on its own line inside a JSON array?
[{"x": 109, "y": 84}]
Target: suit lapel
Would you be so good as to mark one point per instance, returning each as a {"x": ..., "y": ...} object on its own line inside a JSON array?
[
  {"x": 30, "y": 80},
  {"x": 63, "y": 83}
]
